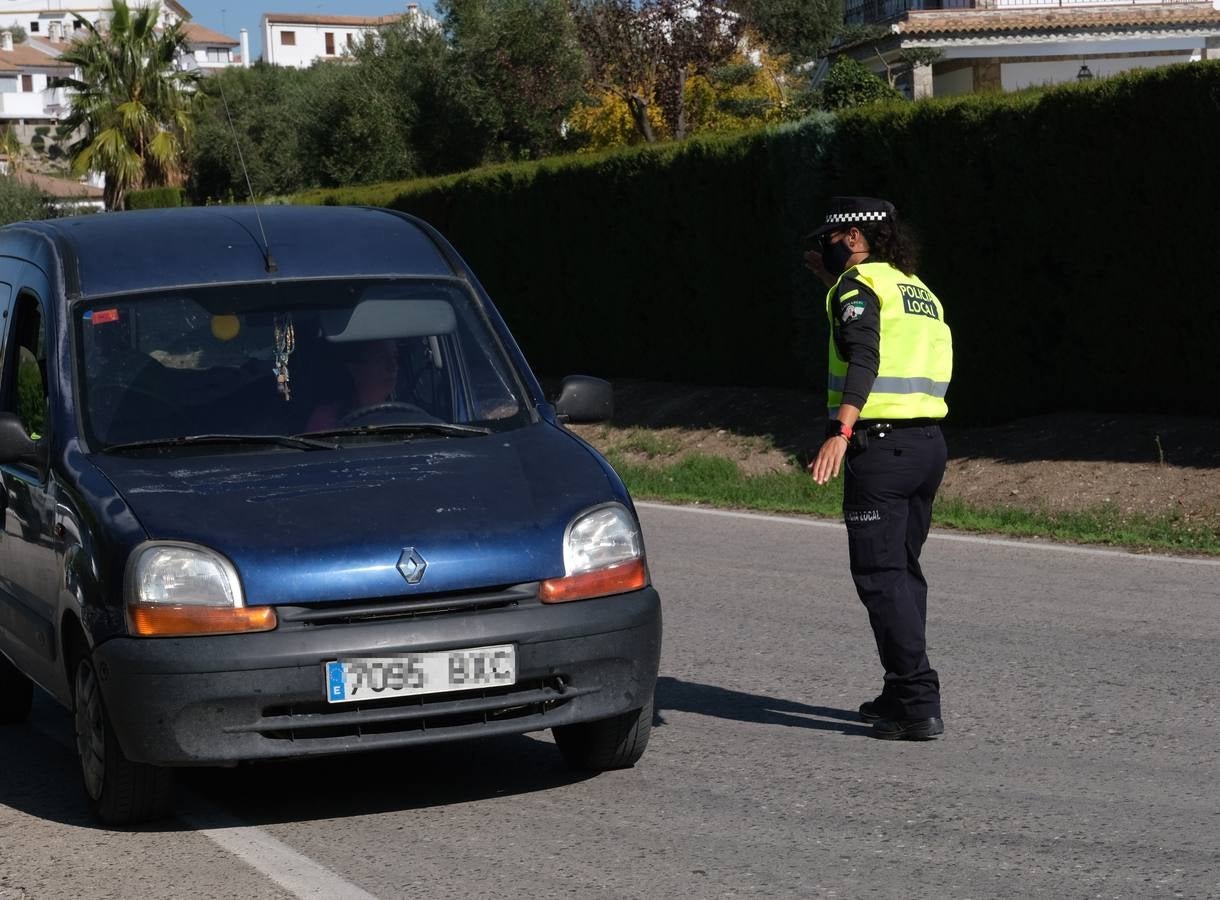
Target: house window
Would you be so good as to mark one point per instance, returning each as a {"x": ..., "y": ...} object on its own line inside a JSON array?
[
  {"x": 27, "y": 83},
  {"x": 288, "y": 38},
  {"x": 218, "y": 54},
  {"x": 330, "y": 43},
  {"x": 33, "y": 27},
  {"x": 8, "y": 85},
  {"x": 350, "y": 42}
]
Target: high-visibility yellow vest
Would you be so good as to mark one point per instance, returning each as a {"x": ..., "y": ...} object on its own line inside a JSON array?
[{"x": 916, "y": 353}]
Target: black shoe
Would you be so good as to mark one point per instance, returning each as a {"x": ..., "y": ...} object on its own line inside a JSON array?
[
  {"x": 908, "y": 729},
  {"x": 871, "y": 710}
]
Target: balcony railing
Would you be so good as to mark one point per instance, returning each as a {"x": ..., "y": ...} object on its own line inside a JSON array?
[{"x": 868, "y": 12}]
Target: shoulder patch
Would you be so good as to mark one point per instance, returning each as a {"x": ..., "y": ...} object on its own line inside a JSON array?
[{"x": 850, "y": 311}]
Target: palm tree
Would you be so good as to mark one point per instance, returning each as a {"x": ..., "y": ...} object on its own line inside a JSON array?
[{"x": 132, "y": 105}]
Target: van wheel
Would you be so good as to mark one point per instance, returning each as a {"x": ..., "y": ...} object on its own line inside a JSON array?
[
  {"x": 121, "y": 792},
  {"x": 16, "y": 693},
  {"x": 614, "y": 743}
]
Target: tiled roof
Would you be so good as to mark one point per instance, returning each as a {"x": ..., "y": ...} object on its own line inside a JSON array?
[
  {"x": 23, "y": 56},
  {"x": 1089, "y": 18},
  {"x": 307, "y": 19},
  {"x": 198, "y": 34}
]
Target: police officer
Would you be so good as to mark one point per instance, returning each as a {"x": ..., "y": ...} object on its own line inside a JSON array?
[{"x": 890, "y": 357}]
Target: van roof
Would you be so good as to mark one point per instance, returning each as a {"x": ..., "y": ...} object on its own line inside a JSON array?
[{"x": 109, "y": 253}]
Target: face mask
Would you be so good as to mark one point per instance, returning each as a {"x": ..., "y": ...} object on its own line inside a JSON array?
[{"x": 835, "y": 257}]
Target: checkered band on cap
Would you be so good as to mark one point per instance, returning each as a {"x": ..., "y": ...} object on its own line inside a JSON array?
[{"x": 844, "y": 218}]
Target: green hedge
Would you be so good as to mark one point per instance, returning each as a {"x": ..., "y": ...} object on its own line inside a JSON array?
[
  {"x": 155, "y": 198},
  {"x": 672, "y": 262},
  {"x": 1067, "y": 232}
]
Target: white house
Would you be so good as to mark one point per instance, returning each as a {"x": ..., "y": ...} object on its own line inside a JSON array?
[
  {"x": 1012, "y": 44},
  {"x": 301, "y": 39},
  {"x": 54, "y": 20},
  {"x": 211, "y": 49},
  {"x": 26, "y": 98}
]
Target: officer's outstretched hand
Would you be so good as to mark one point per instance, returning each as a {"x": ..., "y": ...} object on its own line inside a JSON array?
[
  {"x": 813, "y": 262},
  {"x": 829, "y": 458}
]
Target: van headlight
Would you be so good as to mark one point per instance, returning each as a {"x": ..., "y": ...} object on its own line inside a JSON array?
[
  {"x": 603, "y": 553},
  {"x": 179, "y": 589}
]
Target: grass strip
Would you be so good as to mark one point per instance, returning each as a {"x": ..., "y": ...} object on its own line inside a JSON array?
[{"x": 719, "y": 482}]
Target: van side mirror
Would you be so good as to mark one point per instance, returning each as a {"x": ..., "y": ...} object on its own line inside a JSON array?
[
  {"x": 585, "y": 399},
  {"x": 16, "y": 447}
]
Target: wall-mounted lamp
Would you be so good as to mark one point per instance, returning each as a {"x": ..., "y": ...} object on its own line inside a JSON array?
[{"x": 1084, "y": 74}]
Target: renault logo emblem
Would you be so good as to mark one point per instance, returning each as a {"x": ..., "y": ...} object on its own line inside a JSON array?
[{"x": 412, "y": 565}]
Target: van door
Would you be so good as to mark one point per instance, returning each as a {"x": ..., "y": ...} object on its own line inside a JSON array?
[
  {"x": 7, "y": 637},
  {"x": 29, "y": 584}
]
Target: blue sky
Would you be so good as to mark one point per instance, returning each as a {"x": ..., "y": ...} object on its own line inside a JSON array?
[{"x": 230, "y": 16}]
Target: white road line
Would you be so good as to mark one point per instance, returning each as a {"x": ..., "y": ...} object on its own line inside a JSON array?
[
  {"x": 294, "y": 872},
  {"x": 942, "y": 536}
]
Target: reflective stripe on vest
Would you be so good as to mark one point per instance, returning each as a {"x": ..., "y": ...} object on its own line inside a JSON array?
[
  {"x": 895, "y": 385},
  {"x": 916, "y": 348}
]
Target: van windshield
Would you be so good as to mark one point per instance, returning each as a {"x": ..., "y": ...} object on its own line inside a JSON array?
[{"x": 365, "y": 358}]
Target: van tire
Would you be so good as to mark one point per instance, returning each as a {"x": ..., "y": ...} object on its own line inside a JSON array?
[
  {"x": 16, "y": 693},
  {"x": 614, "y": 743},
  {"x": 120, "y": 792}
]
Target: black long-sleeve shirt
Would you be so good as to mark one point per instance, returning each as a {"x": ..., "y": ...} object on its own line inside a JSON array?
[{"x": 857, "y": 336}]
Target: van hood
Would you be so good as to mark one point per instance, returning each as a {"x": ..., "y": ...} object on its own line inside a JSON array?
[{"x": 311, "y": 526}]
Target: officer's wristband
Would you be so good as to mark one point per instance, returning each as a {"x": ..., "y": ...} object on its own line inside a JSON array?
[{"x": 835, "y": 428}]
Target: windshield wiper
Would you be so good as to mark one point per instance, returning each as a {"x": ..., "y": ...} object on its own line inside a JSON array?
[
  {"x": 297, "y": 442},
  {"x": 451, "y": 429}
]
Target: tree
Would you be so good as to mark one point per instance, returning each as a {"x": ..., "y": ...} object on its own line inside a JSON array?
[
  {"x": 354, "y": 130},
  {"x": 525, "y": 63},
  {"x": 625, "y": 55},
  {"x": 801, "y": 29},
  {"x": 604, "y": 121},
  {"x": 848, "y": 83},
  {"x": 645, "y": 51},
  {"x": 132, "y": 104},
  {"x": 908, "y": 59},
  {"x": 409, "y": 75},
  {"x": 752, "y": 89},
  {"x": 266, "y": 104}
]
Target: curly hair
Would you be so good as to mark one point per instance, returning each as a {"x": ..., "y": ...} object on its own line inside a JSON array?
[{"x": 890, "y": 242}]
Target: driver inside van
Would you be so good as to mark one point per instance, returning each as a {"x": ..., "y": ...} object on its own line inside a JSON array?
[{"x": 372, "y": 369}]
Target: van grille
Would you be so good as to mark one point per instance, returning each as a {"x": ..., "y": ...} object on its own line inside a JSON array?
[{"x": 347, "y": 612}]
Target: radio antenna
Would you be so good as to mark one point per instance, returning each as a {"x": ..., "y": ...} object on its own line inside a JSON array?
[{"x": 267, "y": 257}]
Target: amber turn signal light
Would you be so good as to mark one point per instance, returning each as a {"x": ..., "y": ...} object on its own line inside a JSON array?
[
  {"x": 184, "y": 621},
  {"x": 628, "y": 576}
]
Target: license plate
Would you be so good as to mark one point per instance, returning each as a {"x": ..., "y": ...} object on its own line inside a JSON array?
[{"x": 412, "y": 674}]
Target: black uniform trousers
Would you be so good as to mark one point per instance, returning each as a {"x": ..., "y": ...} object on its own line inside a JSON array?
[{"x": 888, "y": 488}]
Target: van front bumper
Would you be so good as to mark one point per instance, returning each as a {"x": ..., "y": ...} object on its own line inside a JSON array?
[{"x": 224, "y": 699}]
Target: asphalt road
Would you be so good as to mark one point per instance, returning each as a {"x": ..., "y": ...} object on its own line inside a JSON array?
[{"x": 1080, "y": 758}]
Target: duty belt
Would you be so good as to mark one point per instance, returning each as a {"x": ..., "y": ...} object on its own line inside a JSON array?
[{"x": 877, "y": 429}]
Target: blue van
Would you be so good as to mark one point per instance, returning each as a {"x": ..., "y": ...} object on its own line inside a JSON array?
[{"x": 284, "y": 486}]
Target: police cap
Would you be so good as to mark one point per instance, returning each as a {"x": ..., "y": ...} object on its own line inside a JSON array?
[{"x": 848, "y": 211}]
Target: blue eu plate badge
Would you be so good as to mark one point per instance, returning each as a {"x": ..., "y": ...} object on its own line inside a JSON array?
[{"x": 336, "y": 684}]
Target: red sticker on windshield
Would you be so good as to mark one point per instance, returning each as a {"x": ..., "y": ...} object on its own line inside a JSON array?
[{"x": 102, "y": 316}]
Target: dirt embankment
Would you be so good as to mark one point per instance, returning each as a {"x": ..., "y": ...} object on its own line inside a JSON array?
[{"x": 1138, "y": 464}]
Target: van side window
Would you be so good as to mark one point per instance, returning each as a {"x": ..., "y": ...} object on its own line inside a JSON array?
[{"x": 26, "y": 383}]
